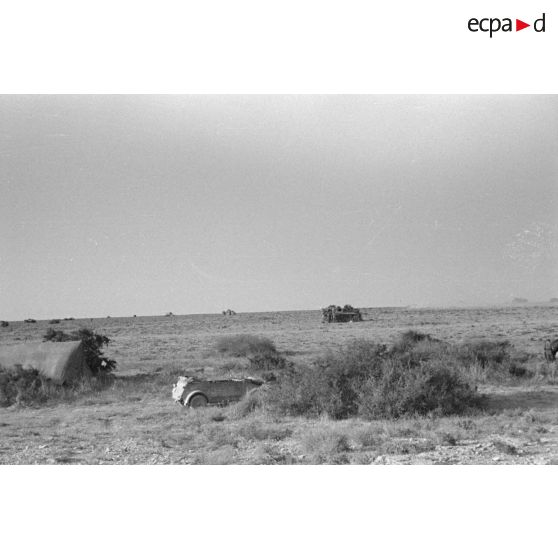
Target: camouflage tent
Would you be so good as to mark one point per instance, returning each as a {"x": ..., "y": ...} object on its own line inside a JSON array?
[{"x": 60, "y": 362}]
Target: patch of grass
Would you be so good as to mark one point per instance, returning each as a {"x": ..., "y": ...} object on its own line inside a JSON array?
[
  {"x": 28, "y": 388},
  {"x": 267, "y": 361},
  {"x": 547, "y": 369},
  {"x": 257, "y": 430},
  {"x": 244, "y": 345},
  {"x": 218, "y": 436},
  {"x": 252, "y": 401},
  {"x": 268, "y": 454},
  {"x": 409, "y": 339},
  {"x": 232, "y": 366},
  {"x": 225, "y": 455},
  {"x": 446, "y": 438},
  {"x": 504, "y": 446},
  {"x": 369, "y": 436},
  {"x": 479, "y": 361},
  {"x": 22, "y": 387},
  {"x": 484, "y": 353},
  {"x": 404, "y": 447},
  {"x": 326, "y": 444}
]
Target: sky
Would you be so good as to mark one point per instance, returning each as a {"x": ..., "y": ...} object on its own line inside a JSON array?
[{"x": 144, "y": 204}]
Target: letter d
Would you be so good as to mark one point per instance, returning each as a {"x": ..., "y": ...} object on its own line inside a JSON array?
[{"x": 541, "y": 30}]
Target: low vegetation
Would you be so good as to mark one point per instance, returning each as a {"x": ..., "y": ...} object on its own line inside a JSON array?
[
  {"x": 369, "y": 380},
  {"x": 244, "y": 345},
  {"x": 28, "y": 388},
  {"x": 260, "y": 351},
  {"x": 418, "y": 375},
  {"x": 20, "y": 386}
]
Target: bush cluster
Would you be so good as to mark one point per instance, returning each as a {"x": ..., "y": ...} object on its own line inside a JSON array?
[
  {"x": 20, "y": 386},
  {"x": 267, "y": 361},
  {"x": 430, "y": 387},
  {"x": 93, "y": 344},
  {"x": 244, "y": 345},
  {"x": 27, "y": 387},
  {"x": 260, "y": 351},
  {"x": 415, "y": 376}
]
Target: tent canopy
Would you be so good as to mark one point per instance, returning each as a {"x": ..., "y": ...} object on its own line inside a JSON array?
[{"x": 61, "y": 362}]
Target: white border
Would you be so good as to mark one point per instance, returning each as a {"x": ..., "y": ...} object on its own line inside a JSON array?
[
  {"x": 249, "y": 46},
  {"x": 278, "y": 511},
  {"x": 276, "y": 47}
]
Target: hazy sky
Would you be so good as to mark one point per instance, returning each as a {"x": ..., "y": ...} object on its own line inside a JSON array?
[{"x": 142, "y": 205}]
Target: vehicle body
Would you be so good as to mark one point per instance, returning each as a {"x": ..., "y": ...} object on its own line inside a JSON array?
[
  {"x": 337, "y": 314},
  {"x": 196, "y": 392}
]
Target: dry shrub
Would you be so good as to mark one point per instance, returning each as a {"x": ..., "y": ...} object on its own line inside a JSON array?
[
  {"x": 429, "y": 388},
  {"x": 368, "y": 436},
  {"x": 414, "y": 348},
  {"x": 29, "y": 388},
  {"x": 504, "y": 446},
  {"x": 22, "y": 387},
  {"x": 497, "y": 361},
  {"x": 485, "y": 353},
  {"x": 482, "y": 361},
  {"x": 251, "y": 402},
  {"x": 366, "y": 379},
  {"x": 270, "y": 454},
  {"x": 232, "y": 366},
  {"x": 326, "y": 445},
  {"x": 331, "y": 385},
  {"x": 267, "y": 361},
  {"x": 409, "y": 339},
  {"x": 260, "y": 351}
]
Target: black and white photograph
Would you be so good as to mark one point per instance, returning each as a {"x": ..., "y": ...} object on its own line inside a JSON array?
[{"x": 279, "y": 279}]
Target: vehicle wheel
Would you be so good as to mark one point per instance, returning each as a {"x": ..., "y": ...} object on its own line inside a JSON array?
[{"x": 199, "y": 400}]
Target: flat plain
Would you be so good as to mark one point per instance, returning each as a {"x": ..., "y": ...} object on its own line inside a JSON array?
[{"x": 135, "y": 421}]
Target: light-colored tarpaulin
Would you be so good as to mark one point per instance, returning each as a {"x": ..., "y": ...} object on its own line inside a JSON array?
[{"x": 61, "y": 362}]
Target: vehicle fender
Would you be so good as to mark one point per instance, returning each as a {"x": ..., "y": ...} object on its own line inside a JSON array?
[{"x": 191, "y": 394}]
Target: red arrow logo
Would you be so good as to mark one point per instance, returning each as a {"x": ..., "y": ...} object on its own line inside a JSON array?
[{"x": 519, "y": 25}]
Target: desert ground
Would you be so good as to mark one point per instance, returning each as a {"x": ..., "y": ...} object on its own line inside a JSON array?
[{"x": 135, "y": 421}]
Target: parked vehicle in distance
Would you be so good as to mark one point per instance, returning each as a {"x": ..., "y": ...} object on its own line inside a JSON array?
[
  {"x": 334, "y": 313},
  {"x": 196, "y": 392}
]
